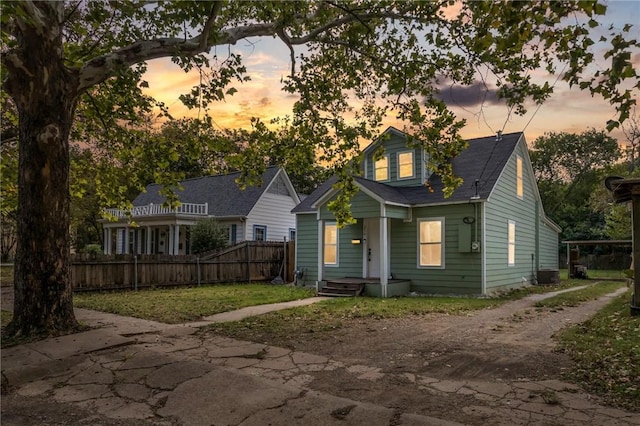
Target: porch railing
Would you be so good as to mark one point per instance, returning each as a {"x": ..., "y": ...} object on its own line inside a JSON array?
[{"x": 158, "y": 209}]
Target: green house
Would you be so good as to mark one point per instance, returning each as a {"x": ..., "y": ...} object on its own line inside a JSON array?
[{"x": 491, "y": 234}]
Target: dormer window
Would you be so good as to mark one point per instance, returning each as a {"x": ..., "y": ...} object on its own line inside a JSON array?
[
  {"x": 381, "y": 171},
  {"x": 405, "y": 165}
]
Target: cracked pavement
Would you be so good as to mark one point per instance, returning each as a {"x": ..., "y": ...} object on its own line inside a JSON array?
[{"x": 130, "y": 371}]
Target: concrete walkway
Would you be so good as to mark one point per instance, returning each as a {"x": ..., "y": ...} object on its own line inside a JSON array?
[
  {"x": 145, "y": 372},
  {"x": 154, "y": 373},
  {"x": 252, "y": 311}
]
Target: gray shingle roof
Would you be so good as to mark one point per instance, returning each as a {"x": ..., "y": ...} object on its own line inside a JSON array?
[
  {"x": 221, "y": 192},
  {"x": 484, "y": 159},
  {"x": 309, "y": 200}
]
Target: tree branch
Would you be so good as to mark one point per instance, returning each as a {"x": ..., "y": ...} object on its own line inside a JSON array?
[
  {"x": 36, "y": 17},
  {"x": 285, "y": 39},
  {"x": 362, "y": 18},
  {"x": 99, "y": 69},
  {"x": 352, "y": 13},
  {"x": 215, "y": 10}
]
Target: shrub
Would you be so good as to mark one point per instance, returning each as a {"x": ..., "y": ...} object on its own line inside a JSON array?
[
  {"x": 208, "y": 235},
  {"x": 92, "y": 249}
]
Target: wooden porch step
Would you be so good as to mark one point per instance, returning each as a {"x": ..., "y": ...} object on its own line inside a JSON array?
[
  {"x": 337, "y": 289},
  {"x": 324, "y": 293}
]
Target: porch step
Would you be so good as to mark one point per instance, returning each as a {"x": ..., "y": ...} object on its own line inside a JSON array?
[{"x": 338, "y": 289}]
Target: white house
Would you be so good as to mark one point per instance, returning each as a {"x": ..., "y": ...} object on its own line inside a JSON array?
[{"x": 255, "y": 213}]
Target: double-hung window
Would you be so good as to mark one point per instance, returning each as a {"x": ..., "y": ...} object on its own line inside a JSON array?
[
  {"x": 511, "y": 245},
  {"x": 259, "y": 233},
  {"x": 331, "y": 244},
  {"x": 381, "y": 169},
  {"x": 405, "y": 165},
  {"x": 431, "y": 242}
]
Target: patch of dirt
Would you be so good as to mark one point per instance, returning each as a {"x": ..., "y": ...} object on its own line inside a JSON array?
[
  {"x": 511, "y": 342},
  {"x": 514, "y": 341}
]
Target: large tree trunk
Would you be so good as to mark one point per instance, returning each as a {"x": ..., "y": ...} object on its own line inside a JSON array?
[{"x": 45, "y": 95}]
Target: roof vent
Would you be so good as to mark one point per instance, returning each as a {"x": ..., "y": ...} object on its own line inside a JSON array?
[{"x": 476, "y": 196}]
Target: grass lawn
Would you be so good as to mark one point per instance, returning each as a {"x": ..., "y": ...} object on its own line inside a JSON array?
[
  {"x": 575, "y": 298},
  {"x": 6, "y": 275},
  {"x": 606, "y": 350},
  {"x": 329, "y": 315},
  {"x": 597, "y": 273},
  {"x": 5, "y": 317},
  {"x": 178, "y": 305}
]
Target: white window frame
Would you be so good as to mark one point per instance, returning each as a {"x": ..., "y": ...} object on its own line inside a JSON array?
[
  {"x": 442, "y": 243},
  {"x": 519, "y": 177},
  {"x": 336, "y": 244},
  {"x": 413, "y": 165},
  {"x": 511, "y": 243},
  {"x": 255, "y": 228},
  {"x": 385, "y": 158}
]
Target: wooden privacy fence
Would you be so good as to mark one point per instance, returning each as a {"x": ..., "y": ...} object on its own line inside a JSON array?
[{"x": 244, "y": 262}]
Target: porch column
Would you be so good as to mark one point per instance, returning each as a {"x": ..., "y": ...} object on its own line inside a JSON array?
[
  {"x": 125, "y": 239},
  {"x": 176, "y": 239},
  {"x": 148, "y": 242},
  {"x": 117, "y": 249},
  {"x": 320, "y": 253},
  {"x": 170, "y": 240},
  {"x": 384, "y": 255}
]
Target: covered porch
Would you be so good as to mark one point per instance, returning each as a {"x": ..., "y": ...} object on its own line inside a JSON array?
[
  {"x": 171, "y": 239},
  {"x": 356, "y": 254},
  {"x": 151, "y": 229},
  {"x": 359, "y": 255}
]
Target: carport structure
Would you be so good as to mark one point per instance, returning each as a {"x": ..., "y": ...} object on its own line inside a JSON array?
[{"x": 628, "y": 190}]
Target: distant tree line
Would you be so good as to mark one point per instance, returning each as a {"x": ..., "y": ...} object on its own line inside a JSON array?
[{"x": 570, "y": 170}]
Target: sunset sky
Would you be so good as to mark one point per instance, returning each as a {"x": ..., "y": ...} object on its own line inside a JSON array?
[{"x": 267, "y": 61}]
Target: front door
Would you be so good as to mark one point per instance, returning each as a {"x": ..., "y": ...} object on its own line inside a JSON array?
[{"x": 372, "y": 248}]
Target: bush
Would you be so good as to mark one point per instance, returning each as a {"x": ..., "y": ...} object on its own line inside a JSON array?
[
  {"x": 92, "y": 249},
  {"x": 208, "y": 235}
]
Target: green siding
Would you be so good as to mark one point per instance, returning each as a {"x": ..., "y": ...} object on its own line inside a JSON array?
[
  {"x": 462, "y": 271},
  {"x": 361, "y": 206},
  {"x": 349, "y": 255},
  {"x": 307, "y": 248},
  {"x": 548, "y": 247},
  {"x": 504, "y": 205},
  {"x": 397, "y": 212},
  {"x": 392, "y": 147}
]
